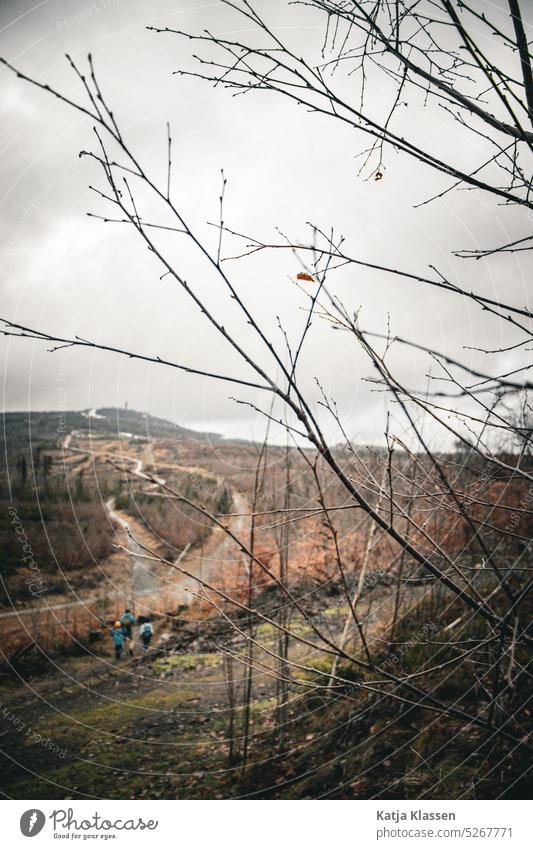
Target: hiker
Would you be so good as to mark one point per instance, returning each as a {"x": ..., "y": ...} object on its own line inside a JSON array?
[
  {"x": 146, "y": 632},
  {"x": 127, "y": 620},
  {"x": 118, "y": 639}
]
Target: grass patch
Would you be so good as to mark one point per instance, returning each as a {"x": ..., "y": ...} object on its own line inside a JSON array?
[{"x": 185, "y": 662}]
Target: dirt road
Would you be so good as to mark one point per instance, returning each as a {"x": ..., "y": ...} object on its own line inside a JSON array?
[{"x": 145, "y": 586}]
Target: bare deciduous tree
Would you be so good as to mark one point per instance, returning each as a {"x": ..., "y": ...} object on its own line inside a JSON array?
[{"x": 458, "y": 523}]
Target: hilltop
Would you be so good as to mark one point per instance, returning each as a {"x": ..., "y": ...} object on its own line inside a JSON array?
[{"x": 49, "y": 428}]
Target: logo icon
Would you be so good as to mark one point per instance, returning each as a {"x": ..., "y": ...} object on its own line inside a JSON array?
[{"x": 32, "y": 822}]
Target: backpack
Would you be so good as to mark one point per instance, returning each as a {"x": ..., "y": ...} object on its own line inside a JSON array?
[{"x": 147, "y": 629}]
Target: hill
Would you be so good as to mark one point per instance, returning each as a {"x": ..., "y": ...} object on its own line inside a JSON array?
[{"x": 49, "y": 428}]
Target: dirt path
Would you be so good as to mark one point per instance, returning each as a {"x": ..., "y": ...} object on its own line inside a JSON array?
[
  {"x": 142, "y": 578},
  {"x": 143, "y": 581}
]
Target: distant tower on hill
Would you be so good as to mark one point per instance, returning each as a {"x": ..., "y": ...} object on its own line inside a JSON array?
[{"x": 125, "y": 405}]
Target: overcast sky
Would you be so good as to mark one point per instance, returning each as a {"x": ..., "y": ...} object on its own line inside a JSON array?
[{"x": 68, "y": 274}]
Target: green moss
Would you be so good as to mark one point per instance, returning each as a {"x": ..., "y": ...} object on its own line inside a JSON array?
[
  {"x": 336, "y": 611},
  {"x": 185, "y": 662},
  {"x": 300, "y": 629},
  {"x": 80, "y": 778},
  {"x": 267, "y": 634},
  {"x": 263, "y": 706},
  {"x": 113, "y": 716}
]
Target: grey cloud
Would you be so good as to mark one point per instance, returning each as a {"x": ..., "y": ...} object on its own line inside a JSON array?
[{"x": 63, "y": 270}]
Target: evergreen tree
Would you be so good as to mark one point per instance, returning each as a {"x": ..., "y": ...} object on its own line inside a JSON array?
[
  {"x": 22, "y": 467},
  {"x": 225, "y": 501}
]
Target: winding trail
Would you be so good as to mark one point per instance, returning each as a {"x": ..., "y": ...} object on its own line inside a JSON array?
[{"x": 142, "y": 580}]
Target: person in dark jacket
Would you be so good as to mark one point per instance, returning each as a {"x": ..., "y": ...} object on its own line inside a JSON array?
[
  {"x": 118, "y": 639},
  {"x": 146, "y": 632},
  {"x": 127, "y": 620}
]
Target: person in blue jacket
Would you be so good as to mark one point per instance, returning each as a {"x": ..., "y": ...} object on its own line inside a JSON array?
[
  {"x": 127, "y": 620},
  {"x": 118, "y": 639}
]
